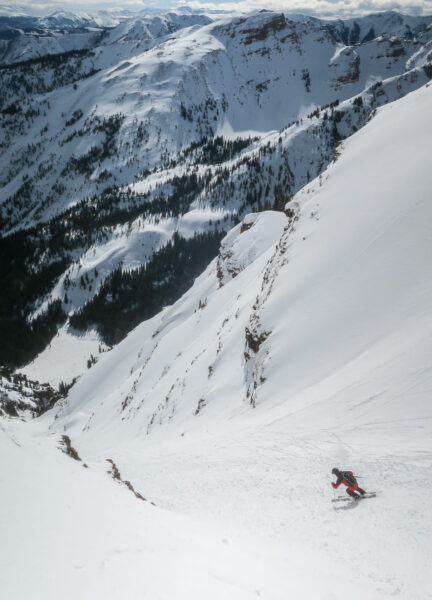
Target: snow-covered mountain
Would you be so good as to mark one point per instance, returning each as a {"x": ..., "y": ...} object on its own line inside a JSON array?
[
  {"x": 354, "y": 31},
  {"x": 165, "y": 128},
  {"x": 305, "y": 345},
  {"x": 332, "y": 287},
  {"x": 25, "y": 38}
]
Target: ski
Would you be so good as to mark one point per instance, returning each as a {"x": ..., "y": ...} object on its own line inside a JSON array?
[{"x": 346, "y": 498}]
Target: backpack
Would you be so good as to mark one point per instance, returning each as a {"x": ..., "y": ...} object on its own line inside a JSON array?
[{"x": 349, "y": 478}]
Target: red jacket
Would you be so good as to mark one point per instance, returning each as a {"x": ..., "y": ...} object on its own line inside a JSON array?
[{"x": 341, "y": 479}]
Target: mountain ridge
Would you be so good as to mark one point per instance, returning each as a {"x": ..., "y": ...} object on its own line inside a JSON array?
[{"x": 157, "y": 138}]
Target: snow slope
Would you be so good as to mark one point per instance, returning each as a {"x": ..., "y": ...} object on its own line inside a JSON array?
[
  {"x": 349, "y": 267},
  {"x": 65, "y": 357},
  {"x": 305, "y": 345},
  {"x": 79, "y": 534},
  {"x": 134, "y": 112}
]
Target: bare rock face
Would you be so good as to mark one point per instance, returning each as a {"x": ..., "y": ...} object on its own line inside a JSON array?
[
  {"x": 258, "y": 34},
  {"x": 347, "y": 66}
]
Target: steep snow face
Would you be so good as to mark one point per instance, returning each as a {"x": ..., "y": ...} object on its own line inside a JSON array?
[
  {"x": 346, "y": 279},
  {"x": 305, "y": 345},
  {"x": 355, "y": 293},
  {"x": 192, "y": 319}
]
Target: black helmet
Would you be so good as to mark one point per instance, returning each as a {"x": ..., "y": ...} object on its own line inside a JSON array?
[{"x": 335, "y": 471}]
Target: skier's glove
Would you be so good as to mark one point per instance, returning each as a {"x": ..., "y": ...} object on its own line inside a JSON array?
[{"x": 333, "y": 484}]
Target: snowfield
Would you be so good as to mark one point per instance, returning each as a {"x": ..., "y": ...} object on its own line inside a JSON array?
[
  {"x": 305, "y": 345},
  {"x": 66, "y": 357}
]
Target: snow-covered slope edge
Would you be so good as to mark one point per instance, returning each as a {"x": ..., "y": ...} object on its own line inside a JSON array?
[
  {"x": 348, "y": 273},
  {"x": 319, "y": 320}
]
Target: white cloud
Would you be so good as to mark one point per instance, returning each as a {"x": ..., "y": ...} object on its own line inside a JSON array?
[
  {"x": 339, "y": 8},
  {"x": 44, "y": 7},
  {"x": 329, "y": 8}
]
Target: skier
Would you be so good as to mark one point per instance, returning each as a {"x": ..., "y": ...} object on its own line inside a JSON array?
[{"x": 348, "y": 479}]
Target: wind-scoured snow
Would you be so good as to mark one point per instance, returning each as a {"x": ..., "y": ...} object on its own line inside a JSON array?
[{"x": 304, "y": 346}]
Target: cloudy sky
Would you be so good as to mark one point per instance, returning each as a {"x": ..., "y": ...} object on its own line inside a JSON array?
[{"x": 319, "y": 7}]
